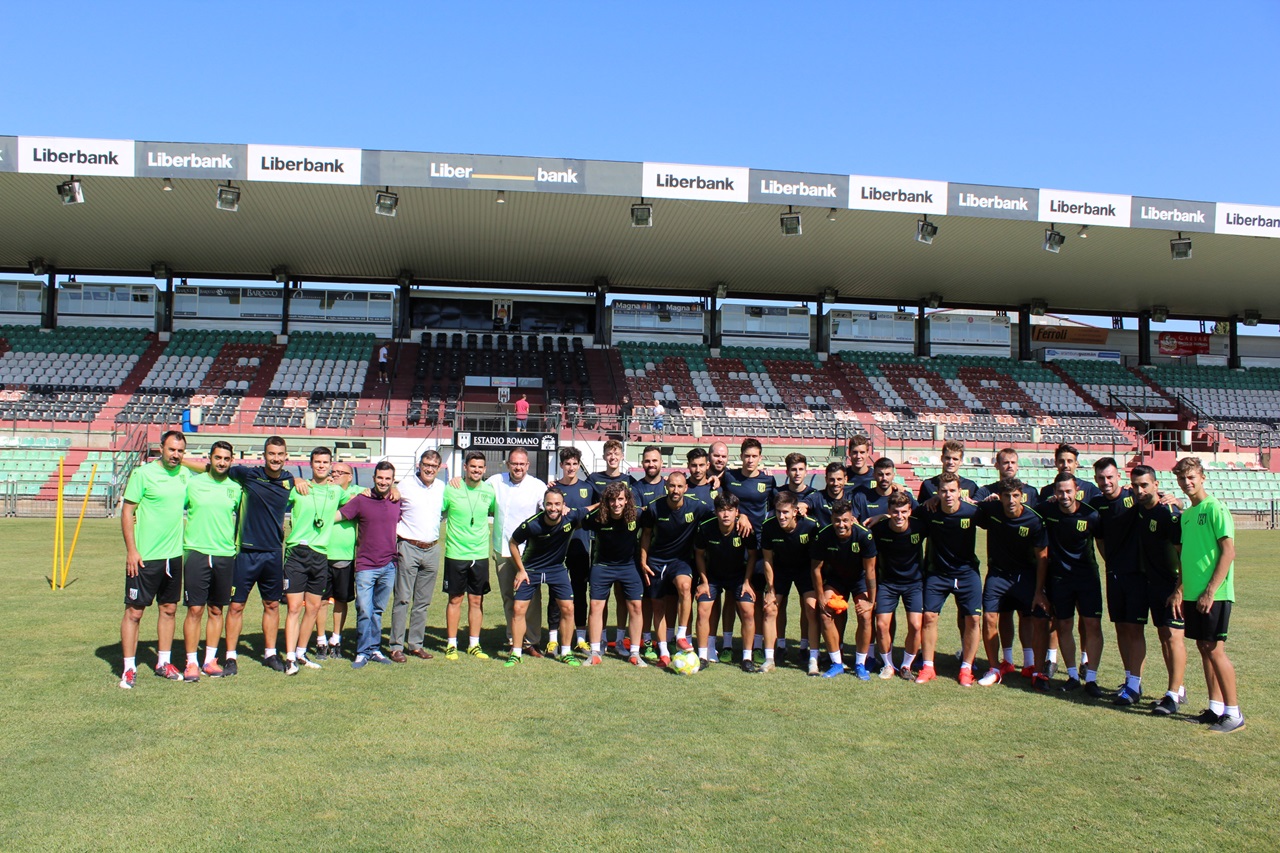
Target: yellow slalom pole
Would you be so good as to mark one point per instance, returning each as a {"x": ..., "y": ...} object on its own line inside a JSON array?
[{"x": 75, "y": 537}]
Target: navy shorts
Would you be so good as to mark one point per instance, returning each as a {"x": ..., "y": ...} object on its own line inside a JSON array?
[
  {"x": 1009, "y": 593},
  {"x": 264, "y": 568},
  {"x": 967, "y": 589},
  {"x": 665, "y": 572},
  {"x": 604, "y": 577},
  {"x": 1067, "y": 595},
  {"x": 1127, "y": 598},
  {"x": 157, "y": 580},
  {"x": 784, "y": 580},
  {"x": 1210, "y": 626},
  {"x": 206, "y": 580},
  {"x": 734, "y": 590},
  {"x": 556, "y": 580},
  {"x": 1158, "y": 592},
  {"x": 910, "y": 594}
]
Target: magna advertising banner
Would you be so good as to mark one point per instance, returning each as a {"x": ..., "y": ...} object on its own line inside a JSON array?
[
  {"x": 1183, "y": 343},
  {"x": 1069, "y": 335},
  {"x": 703, "y": 183}
]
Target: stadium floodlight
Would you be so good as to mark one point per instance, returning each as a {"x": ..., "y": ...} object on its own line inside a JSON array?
[
  {"x": 790, "y": 222},
  {"x": 1053, "y": 240},
  {"x": 831, "y": 215},
  {"x": 502, "y": 197},
  {"x": 228, "y": 198},
  {"x": 830, "y": 295},
  {"x": 1180, "y": 248},
  {"x": 934, "y": 300},
  {"x": 1159, "y": 313},
  {"x": 167, "y": 186},
  {"x": 385, "y": 202},
  {"x": 161, "y": 270},
  {"x": 1039, "y": 307},
  {"x": 721, "y": 290},
  {"x": 280, "y": 274},
  {"x": 71, "y": 192},
  {"x": 925, "y": 231},
  {"x": 37, "y": 266},
  {"x": 1083, "y": 233},
  {"x": 1252, "y": 318},
  {"x": 641, "y": 215}
]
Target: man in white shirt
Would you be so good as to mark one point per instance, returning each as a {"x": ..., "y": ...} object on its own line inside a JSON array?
[
  {"x": 418, "y": 560},
  {"x": 519, "y": 496}
]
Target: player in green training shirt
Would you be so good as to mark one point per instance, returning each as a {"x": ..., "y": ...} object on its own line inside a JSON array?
[
  {"x": 151, "y": 522},
  {"x": 1207, "y": 591},
  {"x": 306, "y": 565},
  {"x": 467, "y": 509},
  {"x": 213, "y": 504},
  {"x": 341, "y": 552}
]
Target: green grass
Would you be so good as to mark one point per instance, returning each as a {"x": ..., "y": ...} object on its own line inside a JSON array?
[{"x": 469, "y": 755}]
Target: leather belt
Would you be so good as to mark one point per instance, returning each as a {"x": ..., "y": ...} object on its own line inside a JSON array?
[{"x": 418, "y": 544}]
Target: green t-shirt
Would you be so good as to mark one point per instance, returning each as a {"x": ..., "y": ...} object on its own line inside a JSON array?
[
  {"x": 342, "y": 538},
  {"x": 1202, "y": 526},
  {"x": 466, "y": 512},
  {"x": 212, "y": 506},
  {"x": 160, "y": 496},
  {"x": 312, "y": 516}
]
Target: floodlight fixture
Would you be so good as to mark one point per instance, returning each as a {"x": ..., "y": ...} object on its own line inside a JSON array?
[
  {"x": 160, "y": 270},
  {"x": 1180, "y": 248},
  {"x": 830, "y": 295},
  {"x": 385, "y": 202},
  {"x": 71, "y": 192},
  {"x": 721, "y": 290},
  {"x": 790, "y": 222},
  {"x": 1252, "y": 318},
  {"x": 934, "y": 300},
  {"x": 642, "y": 215},
  {"x": 280, "y": 274},
  {"x": 1159, "y": 313},
  {"x": 831, "y": 215},
  {"x": 1083, "y": 233},
  {"x": 228, "y": 198},
  {"x": 37, "y": 266},
  {"x": 1053, "y": 239},
  {"x": 502, "y": 197},
  {"x": 167, "y": 186},
  {"x": 925, "y": 231},
  {"x": 1039, "y": 307}
]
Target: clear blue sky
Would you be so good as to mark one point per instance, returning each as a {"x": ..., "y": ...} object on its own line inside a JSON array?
[{"x": 1169, "y": 99}]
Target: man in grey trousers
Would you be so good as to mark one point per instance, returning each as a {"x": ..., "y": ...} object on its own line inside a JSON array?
[{"x": 418, "y": 557}]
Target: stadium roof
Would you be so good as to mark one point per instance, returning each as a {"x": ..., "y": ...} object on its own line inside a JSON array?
[{"x": 567, "y": 223}]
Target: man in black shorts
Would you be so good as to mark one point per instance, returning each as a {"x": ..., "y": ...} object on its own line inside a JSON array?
[
  {"x": 151, "y": 522},
  {"x": 1159, "y": 540},
  {"x": 900, "y": 539},
  {"x": 784, "y": 541},
  {"x": 1073, "y": 578},
  {"x": 666, "y": 554},
  {"x": 1017, "y": 568},
  {"x": 952, "y": 570},
  {"x": 213, "y": 503},
  {"x": 843, "y": 563},
  {"x": 726, "y": 560}
]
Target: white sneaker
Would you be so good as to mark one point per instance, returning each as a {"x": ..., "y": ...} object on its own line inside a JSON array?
[
  {"x": 308, "y": 662},
  {"x": 291, "y": 668},
  {"x": 887, "y": 671},
  {"x": 991, "y": 677},
  {"x": 813, "y": 667}
]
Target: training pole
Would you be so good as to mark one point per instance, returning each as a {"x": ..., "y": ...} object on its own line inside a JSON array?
[{"x": 75, "y": 537}]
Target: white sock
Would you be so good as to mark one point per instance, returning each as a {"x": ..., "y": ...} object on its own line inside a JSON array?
[
  {"x": 163, "y": 658},
  {"x": 321, "y": 641},
  {"x": 1182, "y": 693},
  {"x": 928, "y": 664},
  {"x": 907, "y": 660},
  {"x": 290, "y": 657},
  {"x": 210, "y": 654},
  {"x": 472, "y": 642},
  {"x": 888, "y": 657},
  {"x": 554, "y": 636},
  {"x": 595, "y": 648},
  {"x": 768, "y": 655},
  {"x": 1008, "y": 654},
  {"x": 1217, "y": 707},
  {"x": 703, "y": 651},
  {"x": 266, "y": 653},
  {"x": 451, "y": 643},
  {"x": 580, "y": 634},
  {"x": 1084, "y": 657},
  {"x": 300, "y": 652},
  {"x": 231, "y": 654},
  {"x": 517, "y": 651},
  {"x": 813, "y": 655},
  {"x": 860, "y": 658},
  {"x": 1172, "y": 695},
  {"x": 1028, "y": 656},
  {"x": 662, "y": 650},
  {"x": 680, "y": 632},
  {"x": 1052, "y": 656},
  {"x": 1134, "y": 683},
  {"x": 1233, "y": 711},
  {"x": 335, "y": 639},
  {"x": 193, "y": 657},
  {"x": 130, "y": 663},
  {"x": 565, "y": 651},
  {"x": 965, "y": 666},
  {"x": 746, "y": 654},
  {"x": 758, "y": 641},
  {"x": 836, "y": 659}
]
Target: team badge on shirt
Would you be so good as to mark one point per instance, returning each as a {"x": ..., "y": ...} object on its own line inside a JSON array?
[
  {"x": 1082, "y": 526},
  {"x": 964, "y": 523},
  {"x": 1154, "y": 525},
  {"x": 688, "y": 518},
  {"x": 915, "y": 538},
  {"x": 760, "y": 487},
  {"x": 631, "y": 526},
  {"x": 1024, "y": 532},
  {"x": 1128, "y": 502},
  {"x": 804, "y": 538},
  {"x": 582, "y": 493},
  {"x": 737, "y": 541},
  {"x": 855, "y": 547},
  {"x": 567, "y": 527}
]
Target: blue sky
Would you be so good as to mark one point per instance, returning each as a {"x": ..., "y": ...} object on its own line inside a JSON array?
[
  {"x": 1170, "y": 99},
  {"x": 1164, "y": 99}
]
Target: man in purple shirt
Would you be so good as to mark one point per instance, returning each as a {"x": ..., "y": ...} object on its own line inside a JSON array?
[{"x": 376, "y": 516}]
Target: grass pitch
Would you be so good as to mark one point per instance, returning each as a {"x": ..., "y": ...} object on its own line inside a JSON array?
[{"x": 469, "y": 755}]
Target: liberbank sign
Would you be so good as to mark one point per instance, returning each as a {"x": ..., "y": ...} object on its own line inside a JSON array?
[{"x": 117, "y": 158}]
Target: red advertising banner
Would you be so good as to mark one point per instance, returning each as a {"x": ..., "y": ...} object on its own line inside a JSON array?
[{"x": 1183, "y": 343}]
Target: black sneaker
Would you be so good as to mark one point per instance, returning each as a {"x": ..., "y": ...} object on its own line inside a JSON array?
[
  {"x": 1166, "y": 706},
  {"x": 1208, "y": 718},
  {"x": 1092, "y": 690},
  {"x": 1069, "y": 684},
  {"x": 748, "y": 665},
  {"x": 703, "y": 664},
  {"x": 274, "y": 663},
  {"x": 1126, "y": 697},
  {"x": 229, "y": 668}
]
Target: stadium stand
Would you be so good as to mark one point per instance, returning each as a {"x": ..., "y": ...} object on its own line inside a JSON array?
[
  {"x": 325, "y": 372},
  {"x": 1243, "y": 405},
  {"x": 66, "y": 375}
]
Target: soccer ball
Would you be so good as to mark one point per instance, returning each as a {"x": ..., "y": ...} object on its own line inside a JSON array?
[{"x": 685, "y": 663}]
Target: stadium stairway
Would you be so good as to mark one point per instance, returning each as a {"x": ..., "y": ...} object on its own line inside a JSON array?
[
  {"x": 106, "y": 416},
  {"x": 49, "y": 488}
]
